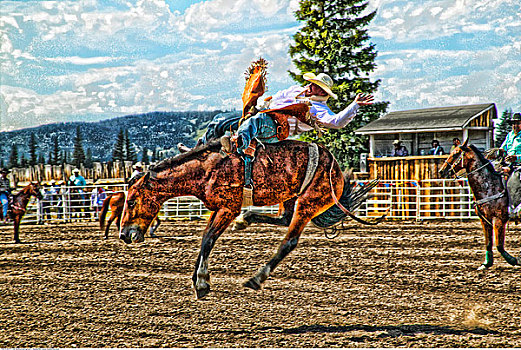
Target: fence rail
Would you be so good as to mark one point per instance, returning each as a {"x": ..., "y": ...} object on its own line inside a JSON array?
[{"x": 400, "y": 199}]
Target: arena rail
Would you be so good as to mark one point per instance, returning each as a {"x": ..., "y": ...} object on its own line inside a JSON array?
[{"x": 400, "y": 199}]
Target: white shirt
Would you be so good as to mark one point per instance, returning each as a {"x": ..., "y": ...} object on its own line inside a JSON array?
[{"x": 319, "y": 109}]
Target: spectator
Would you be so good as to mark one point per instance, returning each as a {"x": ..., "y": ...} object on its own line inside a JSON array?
[
  {"x": 455, "y": 143},
  {"x": 5, "y": 193},
  {"x": 436, "y": 149},
  {"x": 48, "y": 201},
  {"x": 96, "y": 199},
  {"x": 399, "y": 150}
]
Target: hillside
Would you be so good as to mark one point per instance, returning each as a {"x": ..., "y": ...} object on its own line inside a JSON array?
[{"x": 154, "y": 130}]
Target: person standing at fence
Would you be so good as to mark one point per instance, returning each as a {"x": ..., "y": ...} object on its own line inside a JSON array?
[
  {"x": 97, "y": 197},
  {"x": 77, "y": 183},
  {"x": 5, "y": 193},
  {"x": 455, "y": 143},
  {"x": 48, "y": 201}
]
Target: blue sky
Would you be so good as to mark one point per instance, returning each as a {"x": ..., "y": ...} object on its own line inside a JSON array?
[{"x": 91, "y": 60}]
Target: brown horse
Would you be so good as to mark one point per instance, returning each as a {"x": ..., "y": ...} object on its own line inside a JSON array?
[
  {"x": 116, "y": 202},
  {"x": 217, "y": 180},
  {"x": 19, "y": 205},
  {"x": 490, "y": 197}
]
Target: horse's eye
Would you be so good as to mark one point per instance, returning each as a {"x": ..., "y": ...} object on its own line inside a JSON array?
[{"x": 131, "y": 203}]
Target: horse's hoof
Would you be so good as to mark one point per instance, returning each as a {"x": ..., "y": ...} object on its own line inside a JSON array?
[
  {"x": 17, "y": 241},
  {"x": 201, "y": 293},
  {"x": 253, "y": 284},
  {"x": 483, "y": 267},
  {"x": 153, "y": 236},
  {"x": 240, "y": 224}
]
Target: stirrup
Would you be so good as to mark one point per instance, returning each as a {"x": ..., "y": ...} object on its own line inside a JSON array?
[
  {"x": 247, "y": 196},
  {"x": 228, "y": 144}
]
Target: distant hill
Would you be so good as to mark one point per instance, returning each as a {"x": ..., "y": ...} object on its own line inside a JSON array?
[{"x": 154, "y": 130}]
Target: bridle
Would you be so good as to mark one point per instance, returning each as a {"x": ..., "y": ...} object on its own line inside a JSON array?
[{"x": 460, "y": 160}]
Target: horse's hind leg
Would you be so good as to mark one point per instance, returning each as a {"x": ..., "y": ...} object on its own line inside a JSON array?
[
  {"x": 250, "y": 217},
  {"x": 288, "y": 244},
  {"x": 218, "y": 222},
  {"x": 499, "y": 234},
  {"x": 489, "y": 256}
]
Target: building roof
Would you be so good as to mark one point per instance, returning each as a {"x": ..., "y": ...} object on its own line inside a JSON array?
[{"x": 428, "y": 119}]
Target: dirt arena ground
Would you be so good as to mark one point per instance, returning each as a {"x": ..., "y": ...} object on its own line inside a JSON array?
[{"x": 393, "y": 285}]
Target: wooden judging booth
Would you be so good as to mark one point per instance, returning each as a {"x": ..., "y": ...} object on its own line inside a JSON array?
[{"x": 413, "y": 181}]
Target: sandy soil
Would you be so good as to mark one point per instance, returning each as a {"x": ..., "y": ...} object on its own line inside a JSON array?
[{"x": 393, "y": 285}]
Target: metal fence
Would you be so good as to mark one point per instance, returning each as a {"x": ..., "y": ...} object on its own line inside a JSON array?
[{"x": 409, "y": 199}]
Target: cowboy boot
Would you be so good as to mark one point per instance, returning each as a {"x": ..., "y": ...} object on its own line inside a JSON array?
[{"x": 182, "y": 148}]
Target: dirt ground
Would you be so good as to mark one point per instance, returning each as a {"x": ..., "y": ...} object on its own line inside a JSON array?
[{"x": 392, "y": 285}]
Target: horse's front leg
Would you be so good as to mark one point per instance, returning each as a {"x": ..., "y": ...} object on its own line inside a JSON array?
[
  {"x": 499, "y": 234},
  {"x": 489, "y": 256},
  {"x": 17, "y": 220},
  {"x": 218, "y": 222},
  {"x": 154, "y": 227},
  {"x": 248, "y": 218}
]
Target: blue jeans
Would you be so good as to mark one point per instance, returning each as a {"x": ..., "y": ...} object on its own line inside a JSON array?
[
  {"x": 260, "y": 126},
  {"x": 4, "y": 203},
  {"x": 220, "y": 124}
]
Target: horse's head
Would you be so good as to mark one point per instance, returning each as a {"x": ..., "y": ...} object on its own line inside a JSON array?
[
  {"x": 35, "y": 189},
  {"x": 141, "y": 208},
  {"x": 456, "y": 161}
]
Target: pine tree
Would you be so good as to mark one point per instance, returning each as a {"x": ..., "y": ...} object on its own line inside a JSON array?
[
  {"x": 88, "y": 159},
  {"x": 119, "y": 148},
  {"x": 64, "y": 157},
  {"x": 154, "y": 156},
  {"x": 78, "y": 155},
  {"x": 502, "y": 127},
  {"x": 56, "y": 159},
  {"x": 24, "y": 162},
  {"x": 144, "y": 157},
  {"x": 41, "y": 158},
  {"x": 13, "y": 157},
  {"x": 33, "y": 160},
  {"x": 130, "y": 153},
  {"x": 49, "y": 158},
  {"x": 334, "y": 40}
]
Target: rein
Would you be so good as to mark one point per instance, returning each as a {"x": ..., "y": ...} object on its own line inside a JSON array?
[{"x": 476, "y": 204}]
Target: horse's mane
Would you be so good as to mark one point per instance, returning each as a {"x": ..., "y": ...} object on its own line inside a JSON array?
[
  {"x": 484, "y": 160},
  {"x": 197, "y": 152}
]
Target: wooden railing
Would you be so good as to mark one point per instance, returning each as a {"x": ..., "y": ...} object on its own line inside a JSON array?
[{"x": 406, "y": 168}]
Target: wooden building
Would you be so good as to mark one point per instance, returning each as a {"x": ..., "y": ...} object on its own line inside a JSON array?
[{"x": 417, "y": 128}]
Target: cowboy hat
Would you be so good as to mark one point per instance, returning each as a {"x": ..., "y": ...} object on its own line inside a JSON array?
[
  {"x": 515, "y": 118},
  {"x": 396, "y": 142},
  {"x": 323, "y": 80},
  {"x": 138, "y": 165},
  {"x": 76, "y": 170}
]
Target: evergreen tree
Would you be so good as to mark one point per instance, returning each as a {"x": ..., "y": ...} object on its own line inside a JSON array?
[
  {"x": 144, "y": 157},
  {"x": 154, "y": 156},
  {"x": 56, "y": 159},
  {"x": 502, "y": 127},
  {"x": 88, "y": 159},
  {"x": 49, "y": 158},
  {"x": 78, "y": 155},
  {"x": 334, "y": 40},
  {"x": 64, "y": 157},
  {"x": 130, "y": 153},
  {"x": 24, "y": 162},
  {"x": 119, "y": 148},
  {"x": 41, "y": 158},
  {"x": 13, "y": 157},
  {"x": 33, "y": 160}
]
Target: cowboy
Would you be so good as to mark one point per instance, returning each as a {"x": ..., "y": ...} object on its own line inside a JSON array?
[
  {"x": 5, "y": 192},
  {"x": 512, "y": 144},
  {"x": 261, "y": 126},
  {"x": 399, "y": 150},
  {"x": 316, "y": 93},
  {"x": 76, "y": 179},
  {"x": 455, "y": 143},
  {"x": 511, "y": 147},
  {"x": 137, "y": 173}
]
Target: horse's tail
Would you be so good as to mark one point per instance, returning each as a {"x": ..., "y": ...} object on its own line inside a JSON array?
[
  {"x": 351, "y": 199},
  {"x": 104, "y": 210}
]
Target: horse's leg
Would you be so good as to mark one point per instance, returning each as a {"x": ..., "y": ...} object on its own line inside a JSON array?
[
  {"x": 113, "y": 216},
  {"x": 17, "y": 219},
  {"x": 154, "y": 227},
  {"x": 489, "y": 256},
  {"x": 218, "y": 222},
  {"x": 499, "y": 234},
  {"x": 248, "y": 218}
]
